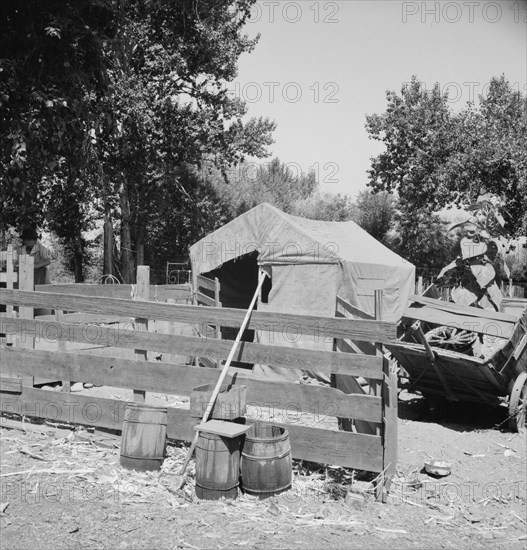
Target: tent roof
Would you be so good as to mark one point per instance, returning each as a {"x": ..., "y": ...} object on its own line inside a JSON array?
[{"x": 286, "y": 239}]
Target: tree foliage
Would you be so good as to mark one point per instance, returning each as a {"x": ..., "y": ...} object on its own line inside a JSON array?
[
  {"x": 435, "y": 157},
  {"x": 106, "y": 100},
  {"x": 422, "y": 239},
  {"x": 248, "y": 185},
  {"x": 326, "y": 207},
  {"x": 52, "y": 77},
  {"x": 375, "y": 212}
]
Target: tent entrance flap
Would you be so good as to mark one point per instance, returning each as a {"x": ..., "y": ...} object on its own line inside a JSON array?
[{"x": 238, "y": 282}]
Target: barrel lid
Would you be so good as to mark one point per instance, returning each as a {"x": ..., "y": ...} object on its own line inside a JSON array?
[{"x": 225, "y": 429}]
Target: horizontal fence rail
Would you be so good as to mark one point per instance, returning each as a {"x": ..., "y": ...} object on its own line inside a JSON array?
[
  {"x": 473, "y": 323},
  {"x": 464, "y": 310},
  {"x": 280, "y": 356},
  {"x": 316, "y": 325},
  {"x": 180, "y": 380},
  {"x": 157, "y": 292}
]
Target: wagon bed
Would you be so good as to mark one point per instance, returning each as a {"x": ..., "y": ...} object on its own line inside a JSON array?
[{"x": 498, "y": 379}]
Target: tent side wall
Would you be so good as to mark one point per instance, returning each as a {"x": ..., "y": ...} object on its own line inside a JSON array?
[
  {"x": 359, "y": 281},
  {"x": 305, "y": 289}
]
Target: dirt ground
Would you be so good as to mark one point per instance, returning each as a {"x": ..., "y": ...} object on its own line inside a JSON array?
[{"x": 63, "y": 488}]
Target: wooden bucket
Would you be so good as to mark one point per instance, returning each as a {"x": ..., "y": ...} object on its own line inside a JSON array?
[
  {"x": 143, "y": 441},
  {"x": 217, "y": 466},
  {"x": 229, "y": 405},
  {"x": 266, "y": 465}
]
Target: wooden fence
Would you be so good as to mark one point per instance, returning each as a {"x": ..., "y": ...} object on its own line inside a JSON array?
[
  {"x": 514, "y": 290},
  {"x": 374, "y": 452}
]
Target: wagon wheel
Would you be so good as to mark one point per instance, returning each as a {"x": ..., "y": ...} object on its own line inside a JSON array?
[
  {"x": 450, "y": 338},
  {"x": 518, "y": 403}
]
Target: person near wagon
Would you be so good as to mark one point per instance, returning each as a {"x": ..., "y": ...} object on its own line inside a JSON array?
[{"x": 33, "y": 247}]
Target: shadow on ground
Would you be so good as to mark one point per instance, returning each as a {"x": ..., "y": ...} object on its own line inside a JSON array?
[{"x": 459, "y": 416}]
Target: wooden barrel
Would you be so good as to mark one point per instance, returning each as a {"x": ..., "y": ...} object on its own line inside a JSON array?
[
  {"x": 217, "y": 466},
  {"x": 266, "y": 466},
  {"x": 143, "y": 442}
]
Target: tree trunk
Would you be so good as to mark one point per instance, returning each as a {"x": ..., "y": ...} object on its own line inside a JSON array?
[
  {"x": 140, "y": 244},
  {"x": 107, "y": 268},
  {"x": 78, "y": 257},
  {"x": 79, "y": 275},
  {"x": 127, "y": 256}
]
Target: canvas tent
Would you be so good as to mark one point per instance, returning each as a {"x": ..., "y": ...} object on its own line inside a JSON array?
[{"x": 309, "y": 262}]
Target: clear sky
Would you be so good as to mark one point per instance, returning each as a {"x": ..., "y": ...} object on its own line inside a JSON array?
[{"x": 320, "y": 67}]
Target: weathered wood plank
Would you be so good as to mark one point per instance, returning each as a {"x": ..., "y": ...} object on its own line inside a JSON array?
[
  {"x": 479, "y": 374},
  {"x": 179, "y": 293},
  {"x": 124, "y": 292},
  {"x": 11, "y": 278},
  {"x": 279, "y": 356},
  {"x": 363, "y": 452},
  {"x": 102, "y": 291},
  {"x": 492, "y": 327},
  {"x": 390, "y": 431},
  {"x": 10, "y": 384},
  {"x": 59, "y": 315},
  {"x": 353, "y": 310},
  {"x": 205, "y": 300},
  {"x": 315, "y": 326},
  {"x": 514, "y": 307},
  {"x": 203, "y": 282},
  {"x": 361, "y": 348},
  {"x": 4, "y": 277},
  {"x": 142, "y": 293},
  {"x": 86, "y": 318},
  {"x": 464, "y": 310},
  {"x": 180, "y": 380},
  {"x": 26, "y": 272}
]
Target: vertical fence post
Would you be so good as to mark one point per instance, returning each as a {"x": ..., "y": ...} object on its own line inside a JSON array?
[
  {"x": 143, "y": 294},
  {"x": 59, "y": 317},
  {"x": 14, "y": 381},
  {"x": 194, "y": 291},
  {"x": 389, "y": 405},
  {"x": 10, "y": 279},
  {"x": 26, "y": 279},
  {"x": 217, "y": 303},
  {"x": 377, "y": 386},
  {"x": 419, "y": 285}
]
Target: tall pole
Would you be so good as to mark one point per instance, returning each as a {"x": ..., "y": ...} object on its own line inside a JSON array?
[{"x": 223, "y": 374}]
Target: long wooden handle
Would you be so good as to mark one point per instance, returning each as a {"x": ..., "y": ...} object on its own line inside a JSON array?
[{"x": 223, "y": 374}]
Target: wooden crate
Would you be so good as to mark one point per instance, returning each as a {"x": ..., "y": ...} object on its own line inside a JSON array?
[{"x": 231, "y": 402}]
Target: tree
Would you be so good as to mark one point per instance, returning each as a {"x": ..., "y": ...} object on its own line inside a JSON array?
[
  {"x": 248, "y": 185},
  {"x": 51, "y": 78},
  {"x": 422, "y": 239},
  {"x": 416, "y": 130},
  {"x": 146, "y": 95},
  {"x": 325, "y": 206},
  {"x": 375, "y": 213},
  {"x": 199, "y": 212},
  {"x": 435, "y": 157},
  {"x": 490, "y": 153},
  {"x": 171, "y": 106}
]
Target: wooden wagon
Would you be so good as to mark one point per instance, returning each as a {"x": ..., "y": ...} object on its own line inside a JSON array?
[{"x": 436, "y": 347}]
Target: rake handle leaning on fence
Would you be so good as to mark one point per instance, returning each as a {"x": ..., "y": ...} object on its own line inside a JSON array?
[{"x": 223, "y": 374}]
